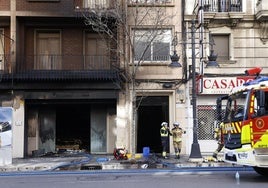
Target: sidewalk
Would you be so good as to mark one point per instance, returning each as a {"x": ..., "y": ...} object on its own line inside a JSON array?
[{"x": 82, "y": 161}]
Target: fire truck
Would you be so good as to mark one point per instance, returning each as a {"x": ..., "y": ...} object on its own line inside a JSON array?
[{"x": 243, "y": 117}]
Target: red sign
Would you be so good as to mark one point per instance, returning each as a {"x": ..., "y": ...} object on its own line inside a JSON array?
[{"x": 222, "y": 85}]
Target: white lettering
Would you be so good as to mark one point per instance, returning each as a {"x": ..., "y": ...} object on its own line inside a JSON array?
[{"x": 222, "y": 85}]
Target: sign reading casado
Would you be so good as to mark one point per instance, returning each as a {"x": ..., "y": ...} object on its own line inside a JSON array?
[{"x": 222, "y": 85}]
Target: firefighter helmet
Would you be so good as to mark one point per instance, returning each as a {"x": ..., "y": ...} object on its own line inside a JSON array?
[
  {"x": 176, "y": 124},
  {"x": 164, "y": 123}
]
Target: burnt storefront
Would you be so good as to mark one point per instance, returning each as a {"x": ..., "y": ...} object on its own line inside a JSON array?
[
  {"x": 60, "y": 125},
  {"x": 64, "y": 114}
]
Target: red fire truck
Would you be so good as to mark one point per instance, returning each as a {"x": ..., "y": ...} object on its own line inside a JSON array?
[{"x": 244, "y": 123}]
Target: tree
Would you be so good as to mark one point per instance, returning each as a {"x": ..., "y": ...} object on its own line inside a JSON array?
[{"x": 138, "y": 31}]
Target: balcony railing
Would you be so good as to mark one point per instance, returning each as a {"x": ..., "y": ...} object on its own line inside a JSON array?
[
  {"x": 154, "y": 58},
  {"x": 94, "y": 4},
  {"x": 148, "y": 2},
  {"x": 223, "y": 5},
  {"x": 64, "y": 62},
  {"x": 60, "y": 67}
]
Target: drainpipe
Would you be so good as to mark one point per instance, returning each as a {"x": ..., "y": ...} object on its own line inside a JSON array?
[{"x": 184, "y": 38}]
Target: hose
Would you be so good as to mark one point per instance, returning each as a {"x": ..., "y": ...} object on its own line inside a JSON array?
[{"x": 73, "y": 163}]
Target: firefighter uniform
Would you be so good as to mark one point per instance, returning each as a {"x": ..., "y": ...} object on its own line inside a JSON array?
[
  {"x": 218, "y": 137},
  {"x": 177, "y": 138},
  {"x": 164, "y": 133}
]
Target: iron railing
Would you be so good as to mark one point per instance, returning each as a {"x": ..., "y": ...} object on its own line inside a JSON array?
[
  {"x": 57, "y": 66},
  {"x": 223, "y": 5},
  {"x": 95, "y": 4},
  {"x": 64, "y": 62},
  {"x": 153, "y": 59},
  {"x": 150, "y": 1}
]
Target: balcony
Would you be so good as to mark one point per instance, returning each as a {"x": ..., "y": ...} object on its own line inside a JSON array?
[
  {"x": 91, "y": 7},
  {"x": 222, "y": 5},
  {"x": 151, "y": 2},
  {"x": 95, "y": 4},
  {"x": 223, "y": 11},
  {"x": 60, "y": 68},
  {"x": 262, "y": 10},
  {"x": 84, "y": 6}
]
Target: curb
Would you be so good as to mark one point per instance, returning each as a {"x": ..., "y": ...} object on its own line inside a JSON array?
[{"x": 106, "y": 163}]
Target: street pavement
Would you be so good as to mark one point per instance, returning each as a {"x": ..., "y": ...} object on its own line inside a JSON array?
[{"x": 84, "y": 161}]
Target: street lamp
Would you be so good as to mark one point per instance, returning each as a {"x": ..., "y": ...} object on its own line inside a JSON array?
[
  {"x": 212, "y": 60},
  {"x": 175, "y": 58},
  {"x": 195, "y": 154},
  {"x": 212, "y": 56},
  {"x": 195, "y": 149}
]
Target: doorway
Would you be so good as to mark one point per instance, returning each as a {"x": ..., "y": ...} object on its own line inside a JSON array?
[
  {"x": 152, "y": 111},
  {"x": 73, "y": 125}
]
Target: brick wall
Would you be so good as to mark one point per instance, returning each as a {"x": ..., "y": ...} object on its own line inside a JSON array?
[
  {"x": 72, "y": 41},
  {"x": 4, "y": 5}
]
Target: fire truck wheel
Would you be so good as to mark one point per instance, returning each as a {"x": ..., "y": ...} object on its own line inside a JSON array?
[{"x": 261, "y": 171}]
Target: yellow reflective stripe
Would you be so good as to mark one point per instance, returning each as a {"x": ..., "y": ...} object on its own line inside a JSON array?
[
  {"x": 251, "y": 104},
  {"x": 235, "y": 127},
  {"x": 245, "y": 134},
  {"x": 251, "y": 135}
]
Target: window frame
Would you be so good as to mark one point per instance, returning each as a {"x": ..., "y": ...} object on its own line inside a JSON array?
[
  {"x": 103, "y": 57},
  {"x": 145, "y": 33},
  {"x": 57, "y": 57},
  {"x": 218, "y": 51},
  {"x": 223, "y": 31}
]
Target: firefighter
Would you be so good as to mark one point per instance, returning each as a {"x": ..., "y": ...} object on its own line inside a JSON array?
[
  {"x": 177, "y": 138},
  {"x": 164, "y": 133},
  {"x": 218, "y": 137}
]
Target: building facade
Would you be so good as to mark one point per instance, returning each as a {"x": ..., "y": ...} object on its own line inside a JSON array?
[
  {"x": 60, "y": 77},
  {"x": 95, "y": 75},
  {"x": 236, "y": 32}
]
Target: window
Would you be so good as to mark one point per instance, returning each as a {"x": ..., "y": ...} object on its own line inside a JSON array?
[
  {"x": 221, "y": 47},
  {"x": 97, "y": 52},
  {"x": 152, "y": 45},
  {"x": 96, "y": 4},
  {"x": 259, "y": 108},
  {"x": 47, "y": 50}
]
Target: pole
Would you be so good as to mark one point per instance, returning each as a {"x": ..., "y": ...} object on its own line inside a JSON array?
[{"x": 195, "y": 154}]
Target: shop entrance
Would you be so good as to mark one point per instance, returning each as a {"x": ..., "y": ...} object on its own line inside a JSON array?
[
  {"x": 152, "y": 111},
  {"x": 73, "y": 126},
  {"x": 54, "y": 125}
]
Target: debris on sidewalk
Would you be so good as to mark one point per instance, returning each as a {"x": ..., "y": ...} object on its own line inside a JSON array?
[{"x": 84, "y": 161}]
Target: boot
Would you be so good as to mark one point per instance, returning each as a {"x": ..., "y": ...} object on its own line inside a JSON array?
[
  {"x": 164, "y": 155},
  {"x": 214, "y": 155}
]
